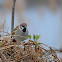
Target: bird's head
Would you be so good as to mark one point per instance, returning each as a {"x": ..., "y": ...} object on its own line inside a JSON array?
[{"x": 23, "y": 27}]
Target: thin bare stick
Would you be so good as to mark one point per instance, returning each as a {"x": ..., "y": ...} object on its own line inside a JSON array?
[
  {"x": 4, "y": 26},
  {"x": 5, "y": 32},
  {"x": 13, "y": 10}
]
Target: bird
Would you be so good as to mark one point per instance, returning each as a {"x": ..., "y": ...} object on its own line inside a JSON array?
[{"x": 20, "y": 32}]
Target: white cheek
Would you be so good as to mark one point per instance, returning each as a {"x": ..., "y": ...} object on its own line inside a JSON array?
[{"x": 20, "y": 28}]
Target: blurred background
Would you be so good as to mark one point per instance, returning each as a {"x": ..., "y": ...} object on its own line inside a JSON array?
[{"x": 43, "y": 17}]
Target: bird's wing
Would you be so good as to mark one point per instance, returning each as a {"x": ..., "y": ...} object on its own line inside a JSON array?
[{"x": 15, "y": 30}]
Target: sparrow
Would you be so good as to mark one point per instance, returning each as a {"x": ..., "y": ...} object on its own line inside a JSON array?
[{"x": 20, "y": 32}]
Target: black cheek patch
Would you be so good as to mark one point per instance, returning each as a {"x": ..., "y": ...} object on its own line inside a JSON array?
[{"x": 24, "y": 30}]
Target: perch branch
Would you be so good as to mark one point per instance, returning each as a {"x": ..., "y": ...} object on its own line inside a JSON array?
[{"x": 13, "y": 10}]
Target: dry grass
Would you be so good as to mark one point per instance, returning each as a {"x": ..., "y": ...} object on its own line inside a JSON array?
[{"x": 13, "y": 51}]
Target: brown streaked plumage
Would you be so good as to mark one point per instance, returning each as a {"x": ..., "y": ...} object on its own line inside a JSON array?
[{"x": 16, "y": 28}]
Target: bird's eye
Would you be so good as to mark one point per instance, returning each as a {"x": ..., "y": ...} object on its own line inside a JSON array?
[{"x": 22, "y": 26}]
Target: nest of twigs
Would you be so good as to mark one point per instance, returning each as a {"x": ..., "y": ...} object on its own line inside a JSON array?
[{"x": 13, "y": 51}]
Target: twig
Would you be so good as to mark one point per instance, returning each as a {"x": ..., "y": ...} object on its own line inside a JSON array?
[
  {"x": 5, "y": 32},
  {"x": 6, "y": 47},
  {"x": 13, "y": 10}
]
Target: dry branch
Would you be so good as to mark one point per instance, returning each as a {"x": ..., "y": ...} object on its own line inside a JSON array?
[{"x": 13, "y": 10}]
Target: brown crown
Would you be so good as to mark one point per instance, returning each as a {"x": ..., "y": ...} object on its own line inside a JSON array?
[{"x": 23, "y": 24}]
